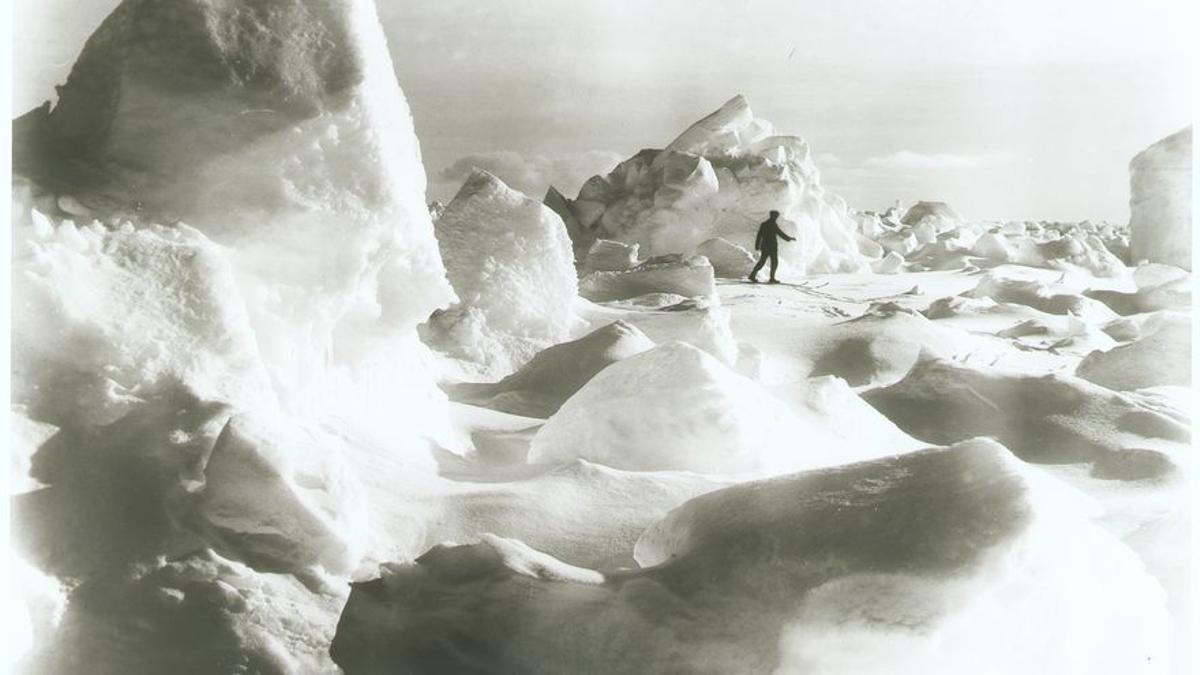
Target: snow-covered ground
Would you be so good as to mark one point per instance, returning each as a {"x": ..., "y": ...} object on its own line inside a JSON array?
[{"x": 269, "y": 416}]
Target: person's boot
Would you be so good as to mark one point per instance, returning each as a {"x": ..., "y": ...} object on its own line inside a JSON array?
[
  {"x": 753, "y": 279},
  {"x": 773, "y": 280}
]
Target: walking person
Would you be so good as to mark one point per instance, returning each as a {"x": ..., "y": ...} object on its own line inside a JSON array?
[{"x": 767, "y": 242}]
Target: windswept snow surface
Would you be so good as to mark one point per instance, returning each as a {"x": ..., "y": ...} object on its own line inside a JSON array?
[
  {"x": 233, "y": 450},
  {"x": 811, "y": 572}
]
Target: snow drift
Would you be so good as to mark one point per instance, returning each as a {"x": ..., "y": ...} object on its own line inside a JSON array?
[{"x": 804, "y": 573}]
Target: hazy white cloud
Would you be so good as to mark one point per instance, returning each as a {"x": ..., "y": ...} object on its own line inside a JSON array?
[
  {"x": 909, "y": 160},
  {"x": 532, "y": 174},
  {"x": 825, "y": 159}
]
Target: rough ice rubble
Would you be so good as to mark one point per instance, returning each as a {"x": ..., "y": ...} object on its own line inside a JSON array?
[
  {"x": 804, "y": 573},
  {"x": 276, "y": 131},
  {"x": 932, "y": 236},
  {"x": 104, "y": 318},
  {"x": 1160, "y": 202},
  {"x": 509, "y": 260},
  {"x": 282, "y": 136},
  {"x": 719, "y": 179}
]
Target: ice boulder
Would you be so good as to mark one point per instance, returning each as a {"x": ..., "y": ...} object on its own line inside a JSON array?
[
  {"x": 729, "y": 260},
  {"x": 672, "y": 407},
  {"x": 1160, "y": 202},
  {"x": 719, "y": 179},
  {"x": 282, "y": 498},
  {"x": 278, "y": 131},
  {"x": 553, "y": 375},
  {"x": 611, "y": 256},
  {"x": 510, "y": 262},
  {"x": 1162, "y": 355},
  {"x": 686, "y": 276},
  {"x": 105, "y": 318},
  {"x": 1052, "y": 418},
  {"x": 907, "y": 564}
]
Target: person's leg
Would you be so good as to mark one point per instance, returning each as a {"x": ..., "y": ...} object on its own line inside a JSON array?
[
  {"x": 774, "y": 265},
  {"x": 762, "y": 259}
]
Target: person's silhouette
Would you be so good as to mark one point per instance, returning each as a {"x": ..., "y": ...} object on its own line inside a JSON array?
[{"x": 767, "y": 242}]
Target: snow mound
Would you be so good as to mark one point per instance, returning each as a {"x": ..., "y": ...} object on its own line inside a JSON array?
[
  {"x": 1160, "y": 202},
  {"x": 509, "y": 260},
  {"x": 881, "y": 345},
  {"x": 907, "y": 564},
  {"x": 729, "y": 260},
  {"x": 1161, "y": 356},
  {"x": 686, "y": 276},
  {"x": 672, "y": 407},
  {"x": 553, "y": 375},
  {"x": 1040, "y": 296},
  {"x": 720, "y": 179},
  {"x": 281, "y": 498},
  {"x": 1051, "y": 418}
]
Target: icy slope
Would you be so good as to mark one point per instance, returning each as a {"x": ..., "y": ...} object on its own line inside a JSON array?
[
  {"x": 805, "y": 573},
  {"x": 720, "y": 178}
]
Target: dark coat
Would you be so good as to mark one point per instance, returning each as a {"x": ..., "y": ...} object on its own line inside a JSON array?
[{"x": 769, "y": 233}]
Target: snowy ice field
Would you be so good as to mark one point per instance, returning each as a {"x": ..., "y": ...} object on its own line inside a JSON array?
[{"x": 271, "y": 415}]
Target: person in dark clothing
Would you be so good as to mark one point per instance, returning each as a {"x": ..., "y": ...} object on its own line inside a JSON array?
[{"x": 767, "y": 242}]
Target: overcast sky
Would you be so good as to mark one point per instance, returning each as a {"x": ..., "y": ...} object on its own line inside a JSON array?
[{"x": 1015, "y": 109}]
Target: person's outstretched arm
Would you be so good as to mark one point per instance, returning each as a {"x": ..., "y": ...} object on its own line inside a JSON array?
[{"x": 784, "y": 234}]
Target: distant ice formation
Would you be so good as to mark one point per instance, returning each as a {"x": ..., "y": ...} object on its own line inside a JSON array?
[{"x": 719, "y": 178}]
